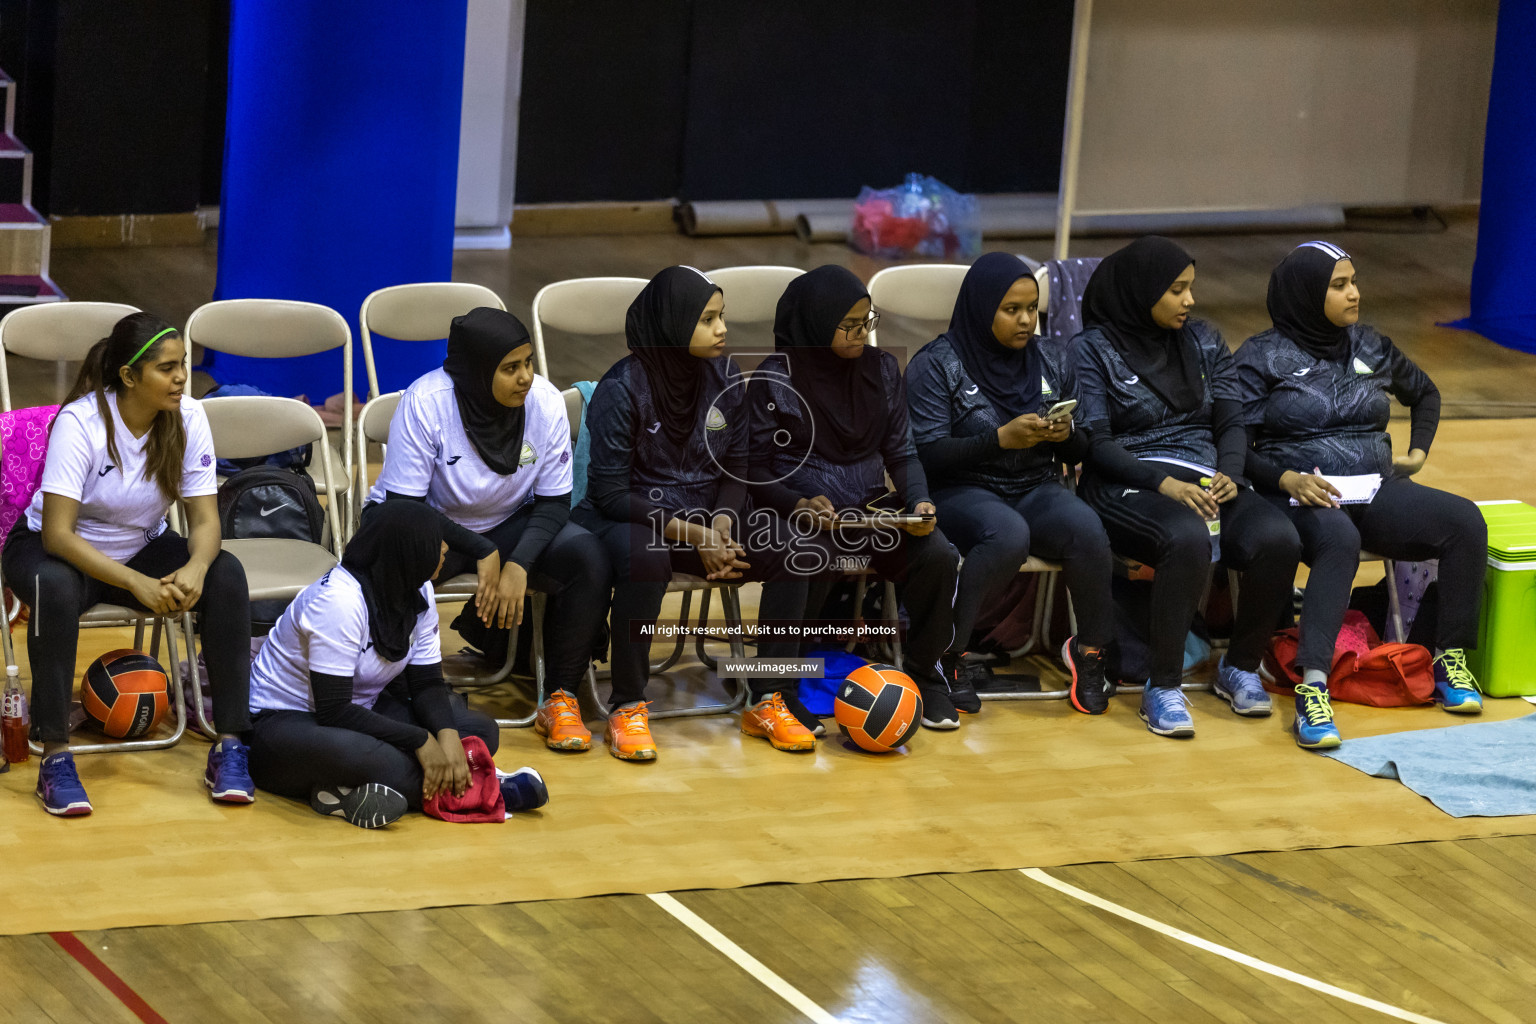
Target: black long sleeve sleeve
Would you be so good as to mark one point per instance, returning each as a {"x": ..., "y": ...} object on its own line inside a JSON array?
[
  {"x": 550, "y": 514},
  {"x": 952, "y": 453},
  {"x": 1113, "y": 462},
  {"x": 1424, "y": 420},
  {"x": 429, "y": 696},
  {"x": 334, "y": 708},
  {"x": 460, "y": 539},
  {"x": 1261, "y": 470},
  {"x": 1231, "y": 438}
]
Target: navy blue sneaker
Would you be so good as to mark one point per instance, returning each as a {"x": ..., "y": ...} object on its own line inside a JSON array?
[
  {"x": 1314, "y": 726},
  {"x": 1166, "y": 711},
  {"x": 369, "y": 806},
  {"x": 523, "y": 790},
  {"x": 1242, "y": 690},
  {"x": 228, "y": 775},
  {"x": 1456, "y": 688},
  {"x": 58, "y": 786}
]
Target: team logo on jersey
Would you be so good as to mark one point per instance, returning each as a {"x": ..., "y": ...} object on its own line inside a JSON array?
[
  {"x": 528, "y": 457},
  {"x": 1360, "y": 367},
  {"x": 455, "y": 458},
  {"x": 565, "y": 457},
  {"x": 206, "y": 461},
  {"x": 715, "y": 420},
  {"x": 1045, "y": 388},
  {"x": 106, "y": 469}
]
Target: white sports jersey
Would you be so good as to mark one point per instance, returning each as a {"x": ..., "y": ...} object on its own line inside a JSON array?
[
  {"x": 120, "y": 511},
  {"x": 430, "y": 455},
  {"x": 325, "y": 630}
]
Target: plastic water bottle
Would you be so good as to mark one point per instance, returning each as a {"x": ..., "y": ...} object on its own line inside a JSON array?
[
  {"x": 14, "y": 723},
  {"x": 1214, "y": 526}
]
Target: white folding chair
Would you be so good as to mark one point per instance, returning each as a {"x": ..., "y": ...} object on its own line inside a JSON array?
[
  {"x": 922, "y": 291},
  {"x": 417, "y": 312},
  {"x": 752, "y": 293},
  {"x": 60, "y": 332},
  {"x": 281, "y": 329},
  {"x": 1043, "y": 284},
  {"x": 582, "y": 305}
]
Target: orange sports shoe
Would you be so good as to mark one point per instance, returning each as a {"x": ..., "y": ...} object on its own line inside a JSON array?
[
  {"x": 771, "y": 719},
  {"x": 629, "y": 734},
  {"x": 559, "y": 722}
]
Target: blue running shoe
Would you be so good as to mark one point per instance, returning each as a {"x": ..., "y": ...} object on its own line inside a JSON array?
[
  {"x": 523, "y": 790},
  {"x": 228, "y": 776},
  {"x": 1242, "y": 690},
  {"x": 1166, "y": 711},
  {"x": 1314, "y": 726},
  {"x": 1456, "y": 688},
  {"x": 58, "y": 786}
]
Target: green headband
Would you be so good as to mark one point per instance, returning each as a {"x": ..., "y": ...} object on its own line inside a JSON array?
[{"x": 151, "y": 341}]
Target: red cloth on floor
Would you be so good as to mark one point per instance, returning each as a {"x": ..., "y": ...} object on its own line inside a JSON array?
[{"x": 482, "y": 801}]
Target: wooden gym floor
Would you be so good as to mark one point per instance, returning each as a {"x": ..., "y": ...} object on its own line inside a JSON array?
[{"x": 1390, "y": 918}]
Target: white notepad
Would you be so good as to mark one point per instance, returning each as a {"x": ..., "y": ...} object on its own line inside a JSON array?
[{"x": 1353, "y": 490}]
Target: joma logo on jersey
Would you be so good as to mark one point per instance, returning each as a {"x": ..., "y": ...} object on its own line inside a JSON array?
[
  {"x": 528, "y": 457},
  {"x": 715, "y": 420}
]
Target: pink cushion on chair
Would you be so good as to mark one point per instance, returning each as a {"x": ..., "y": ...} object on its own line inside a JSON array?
[{"x": 23, "y": 449}]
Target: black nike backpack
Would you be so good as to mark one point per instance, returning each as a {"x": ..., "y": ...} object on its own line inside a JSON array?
[{"x": 270, "y": 501}]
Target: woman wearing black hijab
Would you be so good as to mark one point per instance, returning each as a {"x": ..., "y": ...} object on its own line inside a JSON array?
[
  {"x": 327, "y": 726},
  {"x": 977, "y": 395},
  {"x": 1165, "y": 468},
  {"x": 1316, "y": 391},
  {"x": 487, "y": 443},
  {"x": 829, "y": 421},
  {"x": 666, "y": 491}
]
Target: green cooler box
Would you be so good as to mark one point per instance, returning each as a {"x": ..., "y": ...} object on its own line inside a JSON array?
[{"x": 1505, "y": 659}]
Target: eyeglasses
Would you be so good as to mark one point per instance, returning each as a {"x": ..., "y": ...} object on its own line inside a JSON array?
[{"x": 863, "y": 325}]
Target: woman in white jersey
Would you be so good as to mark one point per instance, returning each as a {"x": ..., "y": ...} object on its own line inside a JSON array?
[
  {"x": 127, "y": 443},
  {"x": 349, "y": 707},
  {"x": 486, "y": 442}
]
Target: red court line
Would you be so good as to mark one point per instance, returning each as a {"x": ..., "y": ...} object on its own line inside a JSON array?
[{"x": 72, "y": 945}]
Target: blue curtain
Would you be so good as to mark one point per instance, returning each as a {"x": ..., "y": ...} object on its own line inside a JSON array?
[
  {"x": 1504, "y": 276},
  {"x": 340, "y": 169}
]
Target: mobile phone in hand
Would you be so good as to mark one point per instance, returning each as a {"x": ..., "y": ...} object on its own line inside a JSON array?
[{"x": 1061, "y": 410}]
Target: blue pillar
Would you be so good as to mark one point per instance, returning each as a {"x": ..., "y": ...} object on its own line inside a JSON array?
[
  {"x": 340, "y": 168},
  {"x": 1504, "y": 276}
]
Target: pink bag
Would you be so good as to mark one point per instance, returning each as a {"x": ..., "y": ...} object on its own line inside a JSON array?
[{"x": 23, "y": 449}]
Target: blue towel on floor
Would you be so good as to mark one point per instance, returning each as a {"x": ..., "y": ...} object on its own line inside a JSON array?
[{"x": 1487, "y": 769}]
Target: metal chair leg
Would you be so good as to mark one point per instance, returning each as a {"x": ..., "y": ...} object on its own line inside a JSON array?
[
  {"x": 538, "y": 602},
  {"x": 730, "y": 597},
  {"x": 178, "y": 706},
  {"x": 1045, "y": 609},
  {"x": 682, "y": 637}
]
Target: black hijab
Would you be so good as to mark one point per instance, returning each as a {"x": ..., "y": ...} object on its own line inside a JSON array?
[
  {"x": 846, "y": 397},
  {"x": 391, "y": 555},
  {"x": 1119, "y": 300},
  {"x": 1298, "y": 287},
  {"x": 659, "y": 327},
  {"x": 477, "y": 343},
  {"x": 1010, "y": 378}
]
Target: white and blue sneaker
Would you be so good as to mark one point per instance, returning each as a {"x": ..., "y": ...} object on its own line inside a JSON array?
[
  {"x": 1243, "y": 690},
  {"x": 1166, "y": 711},
  {"x": 1314, "y": 726},
  {"x": 522, "y": 790}
]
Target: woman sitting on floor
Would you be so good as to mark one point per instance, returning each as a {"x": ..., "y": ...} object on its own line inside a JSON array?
[
  {"x": 1317, "y": 391},
  {"x": 976, "y": 395},
  {"x": 666, "y": 492},
  {"x": 486, "y": 441},
  {"x": 349, "y": 707},
  {"x": 829, "y": 421},
  {"x": 1166, "y": 458},
  {"x": 126, "y": 444}
]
